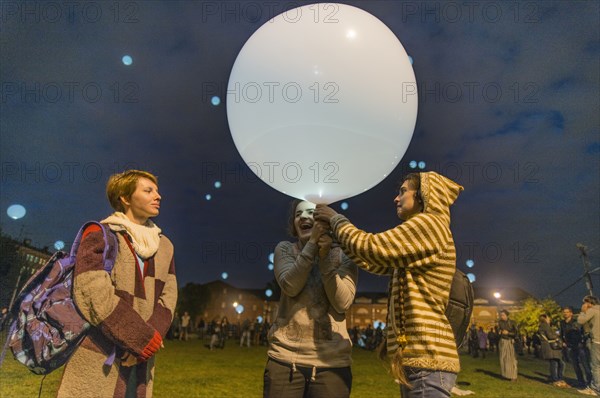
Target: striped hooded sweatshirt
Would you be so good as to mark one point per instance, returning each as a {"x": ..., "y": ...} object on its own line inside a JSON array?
[{"x": 420, "y": 257}]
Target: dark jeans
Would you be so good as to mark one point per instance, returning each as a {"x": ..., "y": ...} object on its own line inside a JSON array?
[
  {"x": 594, "y": 350},
  {"x": 426, "y": 383},
  {"x": 281, "y": 381},
  {"x": 557, "y": 366},
  {"x": 580, "y": 359}
]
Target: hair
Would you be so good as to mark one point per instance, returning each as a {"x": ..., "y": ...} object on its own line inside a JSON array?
[
  {"x": 291, "y": 228},
  {"x": 593, "y": 300},
  {"x": 568, "y": 307},
  {"x": 414, "y": 182},
  {"x": 123, "y": 185},
  {"x": 543, "y": 317},
  {"x": 505, "y": 312}
]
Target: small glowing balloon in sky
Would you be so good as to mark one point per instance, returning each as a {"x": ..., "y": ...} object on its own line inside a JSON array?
[
  {"x": 127, "y": 60},
  {"x": 224, "y": 275},
  {"x": 59, "y": 245},
  {"x": 16, "y": 211},
  {"x": 239, "y": 308},
  {"x": 422, "y": 165},
  {"x": 412, "y": 164},
  {"x": 271, "y": 267},
  {"x": 471, "y": 277},
  {"x": 470, "y": 263},
  {"x": 215, "y": 100},
  {"x": 208, "y": 196},
  {"x": 217, "y": 184},
  {"x": 282, "y": 90},
  {"x": 271, "y": 257},
  {"x": 268, "y": 292},
  {"x": 344, "y": 206}
]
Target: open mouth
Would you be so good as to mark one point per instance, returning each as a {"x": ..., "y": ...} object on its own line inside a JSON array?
[{"x": 306, "y": 226}]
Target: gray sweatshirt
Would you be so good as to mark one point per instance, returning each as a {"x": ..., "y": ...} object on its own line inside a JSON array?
[
  {"x": 591, "y": 322},
  {"x": 310, "y": 328}
]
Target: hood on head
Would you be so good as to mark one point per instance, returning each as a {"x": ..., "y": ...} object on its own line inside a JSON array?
[{"x": 438, "y": 193}]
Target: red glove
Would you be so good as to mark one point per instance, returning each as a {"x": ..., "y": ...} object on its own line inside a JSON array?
[{"x": 152, "y": 347}]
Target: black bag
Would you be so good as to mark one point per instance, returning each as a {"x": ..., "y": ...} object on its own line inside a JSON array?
[{"x": 460, "y": 306}]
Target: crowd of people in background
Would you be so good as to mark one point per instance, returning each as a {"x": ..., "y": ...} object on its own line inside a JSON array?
[
  {"x": 254, "y": 333},
  {"x": 570, "y": 341},
  {"x": 218, "y": 331}
]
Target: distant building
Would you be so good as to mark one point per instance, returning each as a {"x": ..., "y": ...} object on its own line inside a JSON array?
[
  {"x": 368, "y": 308},
  {"x": 490, "y": 301},
  {"x": 25, "y": 262},
  {"x": 237, "y": 304}
]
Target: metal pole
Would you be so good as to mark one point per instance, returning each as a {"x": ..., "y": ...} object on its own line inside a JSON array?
[
  {"x": 586, "y": 268},
  {"x": 12, "y": 299}
]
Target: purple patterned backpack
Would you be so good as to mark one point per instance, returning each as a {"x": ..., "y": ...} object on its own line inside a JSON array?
[{"x": 47, "y": 326}]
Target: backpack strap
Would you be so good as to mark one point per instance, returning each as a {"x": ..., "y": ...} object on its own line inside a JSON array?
[{"x": 111, "y": 244}]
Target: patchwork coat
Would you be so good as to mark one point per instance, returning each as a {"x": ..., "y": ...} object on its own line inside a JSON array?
[{"x": 129, "y": 310}]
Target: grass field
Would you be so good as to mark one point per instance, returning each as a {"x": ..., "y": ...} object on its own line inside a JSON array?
[{"x": 188, "y": 369}]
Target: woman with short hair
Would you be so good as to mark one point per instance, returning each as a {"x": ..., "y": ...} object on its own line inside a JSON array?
[{"x": 131, "y": 308}]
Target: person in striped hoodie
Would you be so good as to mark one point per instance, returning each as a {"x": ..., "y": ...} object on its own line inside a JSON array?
[{"x": 420, "y": 257}]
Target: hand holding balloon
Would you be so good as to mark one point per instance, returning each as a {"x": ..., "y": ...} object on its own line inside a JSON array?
[
  {"x": 325, "y": 242},
  {"x": 318, "y": 229},
  {"x": 324, "y": 213},
  {"x": 320, "y": 236}
]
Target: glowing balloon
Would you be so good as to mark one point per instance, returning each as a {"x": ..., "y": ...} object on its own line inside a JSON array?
[
  {"x": 322, "y": 102},
  {"x": 59, "y": 245},
  {"x": 16, "y": 211}
]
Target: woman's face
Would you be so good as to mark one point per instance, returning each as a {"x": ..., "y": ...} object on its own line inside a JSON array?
[
  {"x": 303, "y": 220},
  {"x": 503, "y": 316},
  {"x": 143, "y": 203},
  {"x": 406, "y": 202}
]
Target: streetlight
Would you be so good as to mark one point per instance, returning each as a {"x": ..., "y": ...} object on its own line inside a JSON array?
[{"x": 497, "y": 295}]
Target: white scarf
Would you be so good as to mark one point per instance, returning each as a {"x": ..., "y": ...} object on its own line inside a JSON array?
[{"x": 145, "y": 238}]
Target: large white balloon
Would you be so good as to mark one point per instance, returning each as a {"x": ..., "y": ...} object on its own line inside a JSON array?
[{"x": 322, "y": 102}]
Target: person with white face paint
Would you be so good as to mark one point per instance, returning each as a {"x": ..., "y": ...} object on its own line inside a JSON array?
[{"x": 309, "y": 347}]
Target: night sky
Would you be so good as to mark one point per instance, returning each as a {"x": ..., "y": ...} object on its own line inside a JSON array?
[{"x": 508, "y": 107}]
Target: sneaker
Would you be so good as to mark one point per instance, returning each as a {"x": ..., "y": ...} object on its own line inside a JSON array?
[
  {"x": 560, "y": 383},
  {"x": 587, "y": 391}
]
